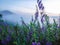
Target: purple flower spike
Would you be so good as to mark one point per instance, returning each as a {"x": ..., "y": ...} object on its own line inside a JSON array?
[
  {"x": 40, "y": 6},
  {"x": 33, "y": 43},
  {"x": 42, "y": 18},
  {"x": 38, "y": 43},
  {"x": 48, "y": 43},
  {"x": 39, "y": 3},
  {"x": 37, "y": 13},
  {"x": 43, "y": 8}
]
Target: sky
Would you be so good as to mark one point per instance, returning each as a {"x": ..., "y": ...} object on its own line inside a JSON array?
[{"x": 29, "y": 6}]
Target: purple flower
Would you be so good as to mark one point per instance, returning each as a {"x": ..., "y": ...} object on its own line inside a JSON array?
[
  {"x": 43, "y": 8},
  {"x": 38, "y": 43},
  {"x": 48, "y": 43},
  {"x": 42, "y": 19},
  {"x": 3, "y": 42},
  {"x": 43, "y": 27},
  {"x": 36, "y": 15},
  {"x": 8, "y": 38},
  {"x": 34, "y": 43},
  {"x": 40, "y": 6},
  {"x": 30, "y": 33},
  {"x": 39, "y": 3}
]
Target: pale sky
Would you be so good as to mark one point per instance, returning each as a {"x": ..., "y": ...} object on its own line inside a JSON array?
[
  {"x": 28, "y": 6},
  {"x": 52, "y": 6}
]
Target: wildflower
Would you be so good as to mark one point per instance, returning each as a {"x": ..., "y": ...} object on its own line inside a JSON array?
[
  {"x": 40, "y": 6},
  {"x": 43, "y": 8},
  {"x": 38, "y": 43},
  {"x": 8, "y": 38},
  {"x": 48, "y": 43},
  {"x": 33, "y": 43},
  {"x": 42, "y": 19},
  {"x": 36, "y": 14},
  {"x": 39, "y": 3},
  {"x": 30, "y": 33},
  {"x": 3, "y": 42}
]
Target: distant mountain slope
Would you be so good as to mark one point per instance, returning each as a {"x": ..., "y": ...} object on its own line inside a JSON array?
[{"x": 5, "y": 12}]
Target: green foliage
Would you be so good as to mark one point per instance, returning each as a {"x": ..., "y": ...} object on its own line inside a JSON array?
[{"x": 24, "y": 34}]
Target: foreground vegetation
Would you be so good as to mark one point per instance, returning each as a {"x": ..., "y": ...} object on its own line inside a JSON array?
[{"x": 34, "y": 33}]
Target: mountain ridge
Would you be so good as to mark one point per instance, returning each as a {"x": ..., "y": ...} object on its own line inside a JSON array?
[{"x": 6, "y": 12}]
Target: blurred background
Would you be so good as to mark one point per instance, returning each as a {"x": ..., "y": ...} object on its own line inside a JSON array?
[{"x": 13, "y": 10}]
